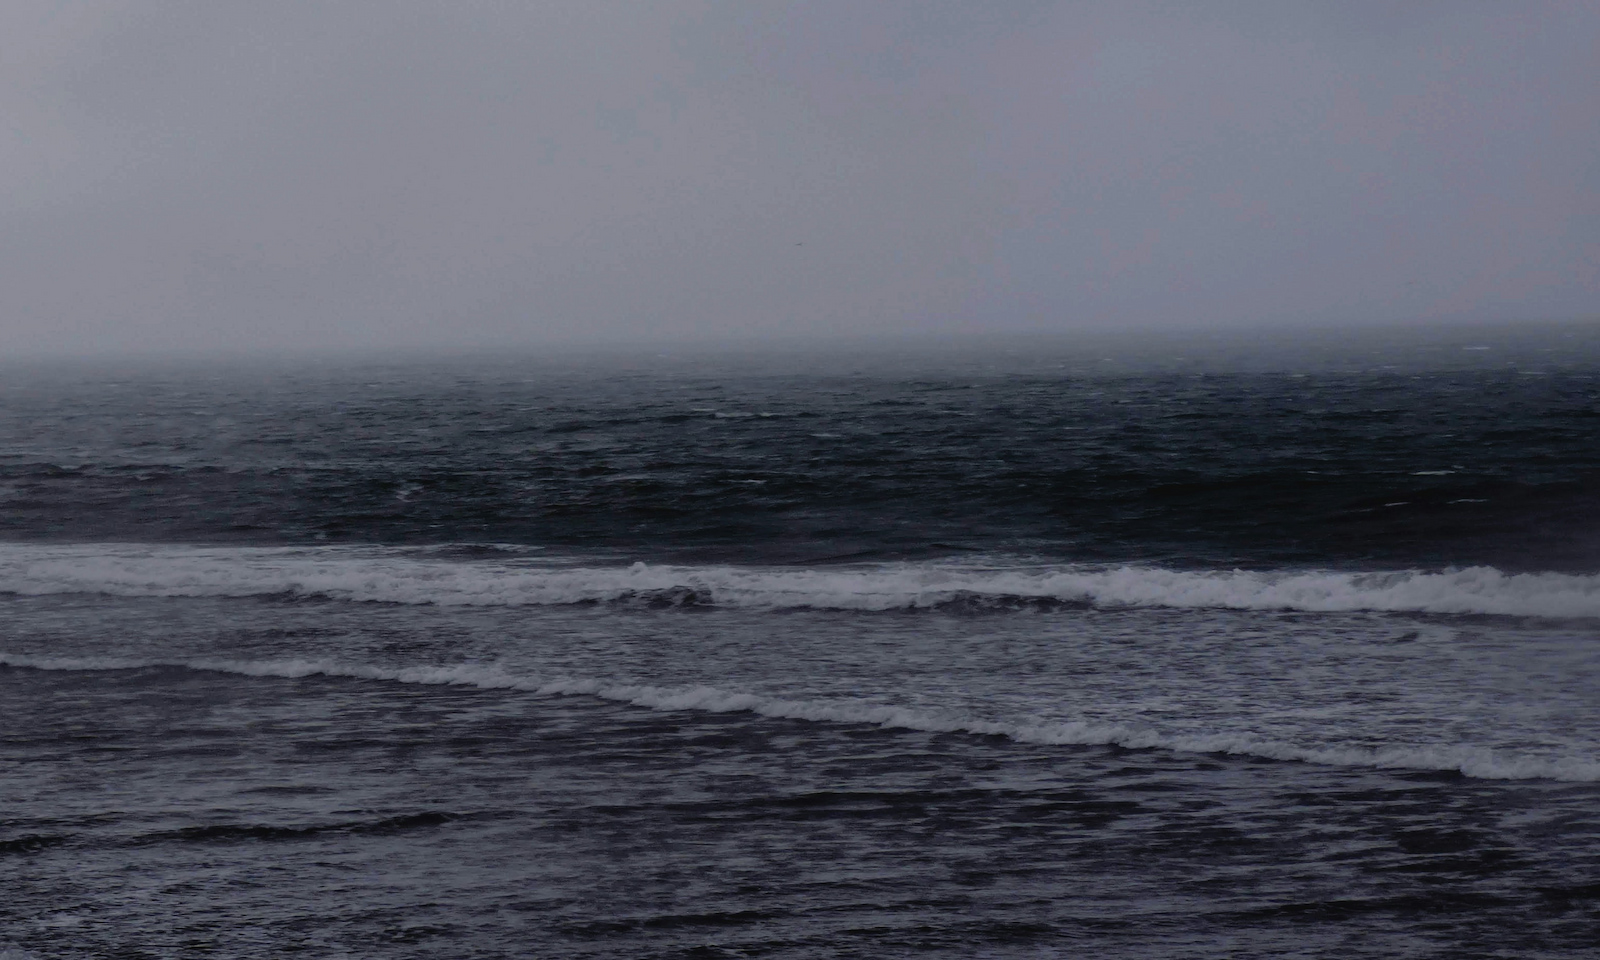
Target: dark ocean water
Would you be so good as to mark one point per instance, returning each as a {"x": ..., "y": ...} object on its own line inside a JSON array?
[{"x": 1160, "y": 650}]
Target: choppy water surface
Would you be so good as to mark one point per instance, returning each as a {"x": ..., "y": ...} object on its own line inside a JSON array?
[{"x": 1016, "y": 657}]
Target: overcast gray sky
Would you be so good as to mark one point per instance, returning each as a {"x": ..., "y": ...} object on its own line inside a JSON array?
[{"x": 335, "y": 175}]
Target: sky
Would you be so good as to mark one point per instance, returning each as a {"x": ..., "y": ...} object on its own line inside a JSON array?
[{"x": 237, "y": 176}]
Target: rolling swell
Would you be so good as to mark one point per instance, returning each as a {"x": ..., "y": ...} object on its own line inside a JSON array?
[{"x": 1469, "y": 761}]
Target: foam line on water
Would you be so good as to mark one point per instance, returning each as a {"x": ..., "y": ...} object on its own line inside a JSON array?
[
  {"x": 1474, "y": 762},
  {"x": 413, "y": 577}
]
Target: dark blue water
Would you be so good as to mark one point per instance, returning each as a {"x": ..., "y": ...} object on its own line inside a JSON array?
[
  {"x": 1473, "y": 463},
  {"x": 1170, "y": 649}
]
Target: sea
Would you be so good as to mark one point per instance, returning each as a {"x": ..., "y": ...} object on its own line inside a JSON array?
[{"x": 1132, "y": 646}]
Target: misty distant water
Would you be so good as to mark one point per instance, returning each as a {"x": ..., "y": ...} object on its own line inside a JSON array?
[{"x": 1188, "y": 648}]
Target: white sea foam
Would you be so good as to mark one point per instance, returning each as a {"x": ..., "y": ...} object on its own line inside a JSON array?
[
  {"x": 1472, "y": 761},
  {"x": 420, "y": 577}
]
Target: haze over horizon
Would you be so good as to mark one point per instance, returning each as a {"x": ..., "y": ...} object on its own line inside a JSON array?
[{"x": 231, "y": 177}]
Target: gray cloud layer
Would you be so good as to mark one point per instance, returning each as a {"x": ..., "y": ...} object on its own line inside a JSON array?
[{"x": 308, "y": 175}]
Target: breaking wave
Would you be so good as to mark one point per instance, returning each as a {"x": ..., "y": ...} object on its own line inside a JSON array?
[
  {"x": 399, "y": 576},
  {"x": 414, "y": 577},
  {"x": 1474, "y": 762}
]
